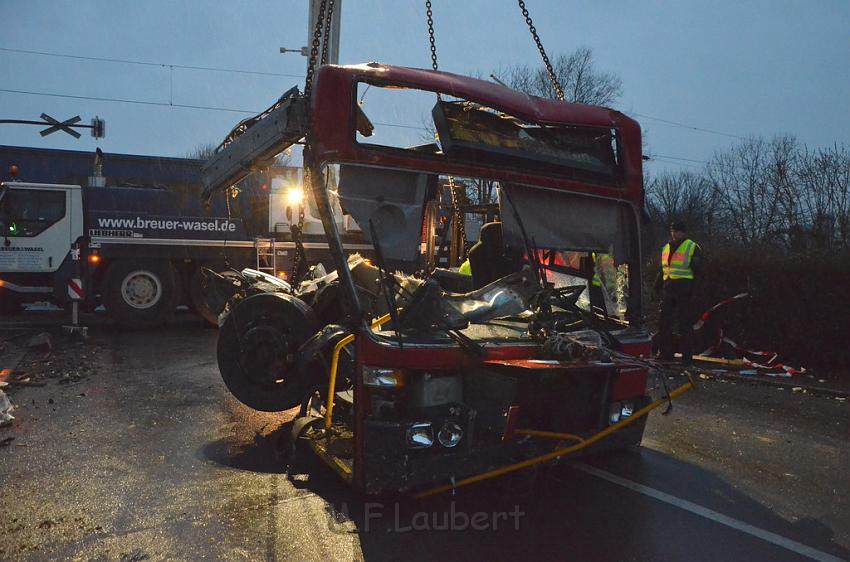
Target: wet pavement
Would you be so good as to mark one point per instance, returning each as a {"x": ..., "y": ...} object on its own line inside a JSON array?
[{"x": 149, "y": 458}]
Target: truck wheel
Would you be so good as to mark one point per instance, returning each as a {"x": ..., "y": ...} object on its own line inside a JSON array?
[
  {"x": 141, "y": 294},
  {"x": 258, "y": 351}
]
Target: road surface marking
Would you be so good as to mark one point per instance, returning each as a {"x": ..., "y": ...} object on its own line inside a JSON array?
[{"x": 696, "y": 509}]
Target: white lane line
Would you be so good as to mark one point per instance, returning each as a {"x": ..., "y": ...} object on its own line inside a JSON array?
[{"x": 696, "y": 509}]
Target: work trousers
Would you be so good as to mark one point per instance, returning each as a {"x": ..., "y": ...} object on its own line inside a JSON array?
[{"x": 677, "y": 308}]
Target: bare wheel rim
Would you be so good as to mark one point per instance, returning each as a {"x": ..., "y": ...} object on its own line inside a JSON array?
[{"x": 141, "y": 289}]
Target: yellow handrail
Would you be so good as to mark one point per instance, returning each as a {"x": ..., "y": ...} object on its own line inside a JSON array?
[
  {"x": 549, "y": 434},
  {"x": 559, "y": 452},
  {"x": 335, "y": 365}
]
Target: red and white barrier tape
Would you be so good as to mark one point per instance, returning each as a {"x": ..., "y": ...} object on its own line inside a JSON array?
[
  {"x": 707, "y": 314},
  {"x": 767, "y": 364}
]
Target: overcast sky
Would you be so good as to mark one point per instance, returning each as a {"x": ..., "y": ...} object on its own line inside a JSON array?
[{"x": 737, "y": 68}]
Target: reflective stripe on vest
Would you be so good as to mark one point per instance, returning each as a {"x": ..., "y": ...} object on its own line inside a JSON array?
[
  {"x": 603, "y": 263},
  {"x": 678, "y": 266}
]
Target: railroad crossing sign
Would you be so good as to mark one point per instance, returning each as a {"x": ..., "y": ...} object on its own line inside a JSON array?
[
  {"x": 97, "y": 127},
  {"x": 63, "y": 126},
  {"x": 75, "y": 289}
]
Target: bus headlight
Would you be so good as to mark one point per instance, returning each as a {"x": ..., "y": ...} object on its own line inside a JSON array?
[
  {"x": 420, "y": 436},
  {"x": 620, "y": 410},
  {"x": 450, "y": 434},
  {"x": 383, "y": 377}
]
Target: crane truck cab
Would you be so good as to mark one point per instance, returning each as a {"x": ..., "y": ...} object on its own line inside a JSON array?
[
  {"x": 126, "y": 248},
  {"x": 38, "y": 224}
]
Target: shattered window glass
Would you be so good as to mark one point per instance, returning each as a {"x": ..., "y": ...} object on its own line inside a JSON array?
[{"x": 395, "y": 117}]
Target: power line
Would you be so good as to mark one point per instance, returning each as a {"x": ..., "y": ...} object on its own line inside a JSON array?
[
  {"x": 137, "y": 102},
  {"x": 677, "y": 163},
  {"x": 686, "y": 126},
  {"x": 662, "y": 157},
  {"x": 677, "y": 158},
  {"x": 164, "y": 104},
  {"x": 261, "y": 73},
  {"x": 145, "y": 63},
  {"x": 401, "y": 126}
]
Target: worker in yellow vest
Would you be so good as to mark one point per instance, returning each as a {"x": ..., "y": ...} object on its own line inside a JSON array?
[
  {"x": 604, "y": 275},
  {"x": 678, "y": 282}
]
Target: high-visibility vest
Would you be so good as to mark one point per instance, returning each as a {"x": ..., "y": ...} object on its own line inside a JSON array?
[
  {"x": 678, "y": 265},
  {"x": 465, "y": 268},
  {"x": 603, "y": 263}
]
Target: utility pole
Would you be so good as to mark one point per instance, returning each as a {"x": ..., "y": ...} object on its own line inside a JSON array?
[
  {"x": 333, "y": 40},
  {"x": 333, "y": 45}
]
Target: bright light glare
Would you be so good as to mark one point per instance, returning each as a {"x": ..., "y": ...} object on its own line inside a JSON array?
[{"x": 294, "y": 195}]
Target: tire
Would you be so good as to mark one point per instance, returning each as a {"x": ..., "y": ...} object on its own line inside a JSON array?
[
  {"x": 258, "y": 351},
  {"x": 141, "y": 294}
]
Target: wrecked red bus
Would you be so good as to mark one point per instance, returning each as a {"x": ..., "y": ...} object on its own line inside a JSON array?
[{"x": 417, "y": 379}]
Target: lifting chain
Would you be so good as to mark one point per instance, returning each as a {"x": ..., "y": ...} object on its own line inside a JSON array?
[
  {"x": 549, "y": 70},
  {"x": 453, "y": 188},
  {"x": 321, "y": 33},
  {"x": 326, "y": 36},
  {"x": 458, "y": 217},
  {"x": 430, "y": 15},
  {"x": 314, "y": 52},
  {"x": 298, "y": 231}
]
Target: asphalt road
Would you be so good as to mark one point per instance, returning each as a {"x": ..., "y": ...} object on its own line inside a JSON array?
[{"x": 149, "y": 458}]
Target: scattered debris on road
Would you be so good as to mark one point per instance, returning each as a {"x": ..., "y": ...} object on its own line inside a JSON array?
[
  {"x": 50, "y": 357},
  {"x": 41, "y": 342},
  {"x": 6, "y": 408},
  {"x": 33, "y": 360}
]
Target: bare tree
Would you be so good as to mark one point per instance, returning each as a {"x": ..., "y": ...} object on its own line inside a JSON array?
[
  {"x": 753, "y": 190},
  {"x": 823, "y": 197},
  {"x": 581, "y": 81},
  {"x": 202, "y": 151},
  {"x": 683, "y": 196}
]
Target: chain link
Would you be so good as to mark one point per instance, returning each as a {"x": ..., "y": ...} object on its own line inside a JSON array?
[
  {"x": 549, "y": 70},
  {"x": 320, "y": 38},
  {"x": 298, "y": 231},
  {"x": 430, "y": 16},
  {"x": 314, "y": 53},
  {"x": 327, "y": 34}
]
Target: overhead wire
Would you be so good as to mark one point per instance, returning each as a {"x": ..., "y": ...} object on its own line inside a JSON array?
[
  {"x": 264, "y": 73},
  {"x": 686, "y": 126},
  {"x": 138, "y": 102},
  {"x": 659, "y": 157},
  {"x": 179, "y": 105},
  {"x": 147, "y": 63},
  {"x": 660, "y": 120}
]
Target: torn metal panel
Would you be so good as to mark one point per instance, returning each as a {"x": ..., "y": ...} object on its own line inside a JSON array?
[
  {"x": 271, "y": 132},
  {"x": 432, "y": 307},
  {"x": 580, "y": 223},
  {"x": 508, "y": 296},
  {"x": 393, "y": 200}
]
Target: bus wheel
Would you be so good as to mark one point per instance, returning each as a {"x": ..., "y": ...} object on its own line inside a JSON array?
[
  {"x": 258, "y": 351},
  {"x": 141, "y": 294}
]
